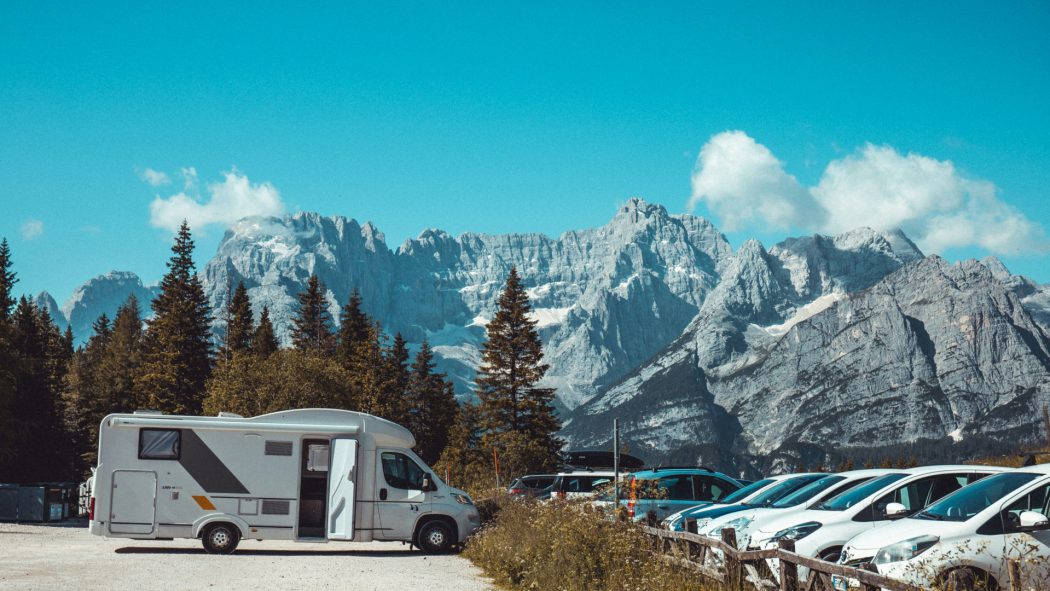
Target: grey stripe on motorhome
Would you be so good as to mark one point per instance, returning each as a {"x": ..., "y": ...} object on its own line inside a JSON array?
[{"x": 206, "y": 468}]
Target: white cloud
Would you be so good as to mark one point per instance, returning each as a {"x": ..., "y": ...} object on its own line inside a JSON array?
[
  {"x": 32, "y": 229},
  {"x": 743, "y": 183},
  {"x": 228, "y": 201},
  {"x": 155, "y": 178}
]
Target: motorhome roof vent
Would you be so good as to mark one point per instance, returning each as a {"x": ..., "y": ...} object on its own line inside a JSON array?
[
  {"x": 230, "y": 415},
  {"x": 146, "y": 411}
]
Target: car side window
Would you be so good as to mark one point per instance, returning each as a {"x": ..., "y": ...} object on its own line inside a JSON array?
[
  {"x": 709, "y": 489},
  {"x": 676, "y": 488},
  {"x": 914, "y": 496},
  {"x": 401, "y": 472},
  {"x": 1037, "y": 500}
]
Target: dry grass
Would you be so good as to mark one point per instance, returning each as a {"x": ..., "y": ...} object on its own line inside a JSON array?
[{"x": 564, "y": 547}]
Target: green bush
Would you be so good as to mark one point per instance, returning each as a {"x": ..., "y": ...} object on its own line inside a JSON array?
[{"x": 566, "y": 547}]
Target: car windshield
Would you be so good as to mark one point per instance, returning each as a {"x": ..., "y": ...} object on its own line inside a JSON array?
[
  {"x": 852, "y": 497},
  {"x": 808, "y": 492},
  {"x": 781, "y": 489},
  {"x": 971, "y": 500},
  {"x": 747, "y": 491}
]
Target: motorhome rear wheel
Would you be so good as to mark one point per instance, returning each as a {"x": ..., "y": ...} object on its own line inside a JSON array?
[{"x": 220, "y": 538}]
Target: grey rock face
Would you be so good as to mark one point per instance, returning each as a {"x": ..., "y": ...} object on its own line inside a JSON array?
[
  {"x": 103, "y": 295},
  {"x": 932, "y": 350},
  {"x": 605, "y": 298},
  {"x": 45, "y": 302}
]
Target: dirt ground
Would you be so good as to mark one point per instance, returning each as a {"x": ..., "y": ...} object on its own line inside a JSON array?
[{"x": 68, "y": 557}]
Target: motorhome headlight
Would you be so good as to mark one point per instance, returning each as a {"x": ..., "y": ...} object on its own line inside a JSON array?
[
  {"x": 462, "y": 499},
  {"x": 905, "y": 550},
  {"x": 796, "y": 532},
  {"x": 737, "y": 524}
]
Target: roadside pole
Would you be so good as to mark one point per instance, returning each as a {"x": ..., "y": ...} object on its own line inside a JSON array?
[{"x": 616, "y": 466}]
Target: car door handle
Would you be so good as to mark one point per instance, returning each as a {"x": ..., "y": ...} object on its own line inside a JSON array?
[{"x": 382, "y": 494}]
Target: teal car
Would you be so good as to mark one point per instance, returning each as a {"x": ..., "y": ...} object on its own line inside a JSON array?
[{"x": 654, "y": 494}]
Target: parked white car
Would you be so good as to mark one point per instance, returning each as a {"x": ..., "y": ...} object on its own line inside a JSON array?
[
  {"x": 976, "y": 529},
  {"x": 746, "y": 523},
  {"x": 580, "y": 484},
  {"x": 823, "y": 530}
]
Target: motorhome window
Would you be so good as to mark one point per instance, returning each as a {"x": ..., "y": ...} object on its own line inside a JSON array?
[
  {"x": 159, "y": 444},
  {"x": 401, "y": 472}
]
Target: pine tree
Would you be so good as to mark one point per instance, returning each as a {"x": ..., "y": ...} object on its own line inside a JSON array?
[
  {"x": 463, "y": 461},
  {"x": 264, "y": 342},
  {"x": 367, "y": 372},
  {"x": 177, "y": 349},
  {"x": 312, "y": 326},
  {"x": 394, "y": 381},
  {"x": 240, "y": 327},
  {"x": 432, "y": 408},
  {"x": 516, "y": 415},
  {"x": 354, "y": 327},
  {"x": 7, "y": 281}
]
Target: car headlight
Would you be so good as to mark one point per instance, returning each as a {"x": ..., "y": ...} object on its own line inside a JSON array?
[
  {"x": 905, "y": 550},
  {"x": 796, "y": 532},
  {"x": 462, "y": 499},
  {"x": 738, "y": 524}
]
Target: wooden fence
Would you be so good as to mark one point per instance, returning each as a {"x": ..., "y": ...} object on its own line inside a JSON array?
[{"x": 745, "y": 569}]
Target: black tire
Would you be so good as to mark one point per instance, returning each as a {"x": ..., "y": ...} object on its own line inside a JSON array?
[
  {"x": 831, "y": 554},
  {"x": 435, "y": 537},
  {"x": 220, "y": 538}
]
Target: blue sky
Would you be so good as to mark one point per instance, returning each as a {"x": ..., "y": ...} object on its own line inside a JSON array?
[{"x": 494, "y": 117}]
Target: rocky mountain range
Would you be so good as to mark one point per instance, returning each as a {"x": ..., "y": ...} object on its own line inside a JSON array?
[{"x": 736, "y": 357}]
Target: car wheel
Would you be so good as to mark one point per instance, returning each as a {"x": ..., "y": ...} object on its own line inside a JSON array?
[
  {"x": 435, "y": 537},
  {"x": 220, "y": 538},
  {"x": 831, "y": 554}
]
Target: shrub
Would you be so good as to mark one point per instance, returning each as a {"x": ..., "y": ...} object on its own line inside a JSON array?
[{"x": 566, "y": 547}]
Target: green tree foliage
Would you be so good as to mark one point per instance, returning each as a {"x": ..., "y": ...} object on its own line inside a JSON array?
[
  {"x": 264, "y": 341},
  {"x": 463, "y": 462},
  {"x": 432, "y": 409},
  {"x": 366, "y": 367},
  {"x": 7, "y": 354},
  {"x": 39, "y": 447},
  {"x": 177, "y": 349},
  {"x": 101, "y": 379},
  {"x": 251, "y": 385},
  {"x": 7, "y": 281},
  {"x": 355, "y": 327},
  {"x": 312, "y": 326},
  {"x": 517, "y": 417},
  {"x": 240, "y": 327}
]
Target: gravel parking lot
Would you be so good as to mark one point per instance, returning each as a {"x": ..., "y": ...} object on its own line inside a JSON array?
[{"x": 68, "y": 557}]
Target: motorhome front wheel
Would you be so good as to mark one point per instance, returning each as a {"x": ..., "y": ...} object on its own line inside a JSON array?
[
  {"x": 220, "y": 538},
  {"x": 435, "y": 537}
]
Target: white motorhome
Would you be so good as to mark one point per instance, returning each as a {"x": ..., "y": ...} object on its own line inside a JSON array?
[{"x": 312, "y": 475}]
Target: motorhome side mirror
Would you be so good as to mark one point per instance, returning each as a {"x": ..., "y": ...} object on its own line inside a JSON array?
[
  {"x": 428, "y": 485},
  {"x": 1033, "y": 521},
  {"x": 896, "y": 511}
]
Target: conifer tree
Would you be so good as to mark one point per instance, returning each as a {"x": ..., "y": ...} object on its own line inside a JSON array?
[
  {"x": 354, "y": 327},
  {"x": 515, "y": 413},
  {"x": 463, "y": 460},
  {"x": 8, "y": 278},
  {"x": 312, "y": 326},
  {"x": 394, "y": 381},
  {"x": 432, "y": 408},
  {"x": 264, "y": 342},
  {"x": 177, "y": 348},
  {"x": 367, "y": 375},
  {"x": 240, "y": 327}
]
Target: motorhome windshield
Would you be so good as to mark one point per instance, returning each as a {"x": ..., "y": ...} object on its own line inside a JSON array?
[
  {"x": 971, "y": 500},
  {"x": 852, "y": 497},
  {"x": 782, "y": 489},
  {"x": 808, "y": 492}
]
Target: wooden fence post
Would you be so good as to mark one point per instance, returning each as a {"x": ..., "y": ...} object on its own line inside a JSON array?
[
  {"x": 870, "y": 568},
  {"x": 733, "y": 578},
  {"x": 788, "y": 570},
  {"x": 1015, "y": 567}
]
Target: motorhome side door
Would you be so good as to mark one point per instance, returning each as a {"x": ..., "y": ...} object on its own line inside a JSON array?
[
  {"x": 342, "y": 489},
  {"x": 133, "y": 502}
]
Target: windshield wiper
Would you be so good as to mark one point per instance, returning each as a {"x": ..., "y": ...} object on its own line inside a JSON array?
[{"x": 930, "y": 516}]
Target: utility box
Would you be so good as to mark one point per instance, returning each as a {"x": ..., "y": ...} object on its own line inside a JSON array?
[
  {"x": 8, "y": 502},
  {"x": 31, "y": 503}
]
